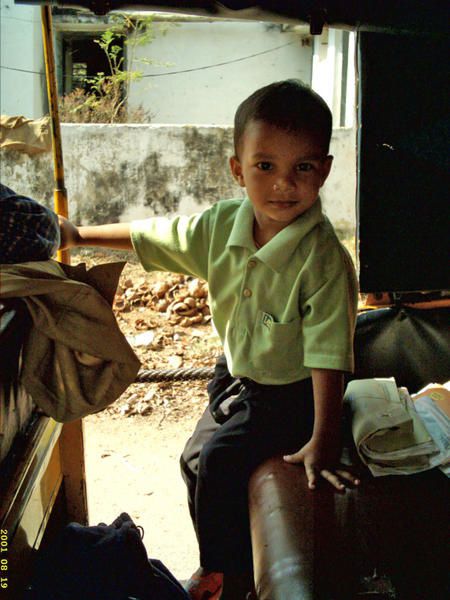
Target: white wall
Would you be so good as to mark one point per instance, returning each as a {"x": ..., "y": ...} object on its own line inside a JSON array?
[
  {"x": 22, "y": 91},
  {"x": 211, "y": 95},
  {"x": 200, "y": 95}
]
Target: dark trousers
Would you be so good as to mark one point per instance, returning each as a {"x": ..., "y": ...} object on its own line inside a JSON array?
[{"x": 251, "y": 422}]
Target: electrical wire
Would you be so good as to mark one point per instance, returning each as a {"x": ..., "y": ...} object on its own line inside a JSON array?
[
  {"x": 203, "y": 68},
  {"x": 22, "y": 70},
  {"x": 221, "y": 64}
]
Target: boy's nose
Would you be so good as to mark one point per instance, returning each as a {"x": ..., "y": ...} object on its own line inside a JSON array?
[{"x": 284, "y": 184}]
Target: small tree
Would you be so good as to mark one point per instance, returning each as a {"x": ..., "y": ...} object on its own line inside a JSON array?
[{"x": 106, "y": 100}]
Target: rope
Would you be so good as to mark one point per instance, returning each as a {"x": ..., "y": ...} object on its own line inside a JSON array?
[{"x": 149, "y": 375}]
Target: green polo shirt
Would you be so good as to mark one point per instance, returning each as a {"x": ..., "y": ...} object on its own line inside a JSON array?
[{"x": 279, "y": 311}]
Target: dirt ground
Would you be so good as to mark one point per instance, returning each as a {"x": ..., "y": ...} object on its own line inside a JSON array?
[
  {"x": 132, "y": 466},
  {"x": 132, "y": 447}
]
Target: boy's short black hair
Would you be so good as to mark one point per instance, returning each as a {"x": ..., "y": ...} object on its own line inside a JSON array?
[{"x": 290, "y": 105}]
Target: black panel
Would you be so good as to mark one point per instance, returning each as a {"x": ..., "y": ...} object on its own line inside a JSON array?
[
  {"x": 15, "y": 322},
  {"x": 364, "y": 15},
  {"x": 404, "y": 163}
]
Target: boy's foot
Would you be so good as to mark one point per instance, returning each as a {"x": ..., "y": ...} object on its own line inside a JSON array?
[{"x": 204, "y": 585}]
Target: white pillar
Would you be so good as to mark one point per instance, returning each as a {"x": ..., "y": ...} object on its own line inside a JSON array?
[{"x": 327, "y": 74}]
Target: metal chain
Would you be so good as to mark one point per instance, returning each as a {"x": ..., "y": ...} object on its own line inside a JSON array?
[{"x": 149, "y": 375}]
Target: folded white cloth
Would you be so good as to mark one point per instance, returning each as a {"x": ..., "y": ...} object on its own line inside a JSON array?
[{"x": 389, "y": 435}]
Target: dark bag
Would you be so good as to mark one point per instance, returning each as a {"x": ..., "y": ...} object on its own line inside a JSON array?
[{"x": 103, "y": 562}]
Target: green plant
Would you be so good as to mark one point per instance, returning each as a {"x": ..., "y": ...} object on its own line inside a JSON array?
[{"x": 107, "y": 94}]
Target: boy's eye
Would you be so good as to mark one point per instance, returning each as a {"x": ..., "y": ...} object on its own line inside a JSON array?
[
  {"x": 264, "y": 166},
  {"x": 305, "y": 167}
]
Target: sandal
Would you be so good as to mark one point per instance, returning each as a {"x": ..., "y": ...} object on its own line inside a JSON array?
[{"x": 204, "y": 585}]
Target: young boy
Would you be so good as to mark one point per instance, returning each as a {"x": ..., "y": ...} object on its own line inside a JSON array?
[{"x": 283, "y": 299}]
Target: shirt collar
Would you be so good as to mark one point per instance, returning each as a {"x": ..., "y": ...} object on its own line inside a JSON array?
[{"x": 278, "y": 251}]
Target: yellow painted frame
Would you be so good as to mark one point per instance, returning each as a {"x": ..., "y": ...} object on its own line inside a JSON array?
[{"x": 49, "y": 467}]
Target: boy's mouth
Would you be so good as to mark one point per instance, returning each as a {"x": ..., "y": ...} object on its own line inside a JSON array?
[{"x": 283, "y": 204}]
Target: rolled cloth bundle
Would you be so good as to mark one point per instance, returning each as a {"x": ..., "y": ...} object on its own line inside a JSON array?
[{"x": 388, "y": 432}]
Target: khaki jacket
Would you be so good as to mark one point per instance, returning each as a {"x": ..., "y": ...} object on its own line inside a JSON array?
[
  {"x": 76, "y": 360},
  {"x": 25, "y": 135}
]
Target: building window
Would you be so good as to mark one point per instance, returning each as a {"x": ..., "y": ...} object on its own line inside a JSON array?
[
  {"x": 83, "y": 59},
  {"x": 79, "y": 74}
]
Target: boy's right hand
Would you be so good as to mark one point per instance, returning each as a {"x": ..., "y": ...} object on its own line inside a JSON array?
[
  {"x": 321, "y": 461},
  {"x": 70, "y": 236}
]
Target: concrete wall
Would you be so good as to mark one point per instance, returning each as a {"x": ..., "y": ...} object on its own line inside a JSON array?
[
  {"x": 212, "y": 67},
  {"x": 123, "y": 172},
  {"x": 339, "y": 191},
  {"x": 22, "y": 81}
]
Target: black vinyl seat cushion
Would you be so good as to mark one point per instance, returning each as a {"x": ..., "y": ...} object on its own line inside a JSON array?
[{"x": 412, "y": 345}]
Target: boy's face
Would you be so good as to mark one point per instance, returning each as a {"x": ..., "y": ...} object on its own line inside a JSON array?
[{"x": 283, "y": 173}]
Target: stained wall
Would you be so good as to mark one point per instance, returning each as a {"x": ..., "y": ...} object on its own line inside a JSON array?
[{"x": 122, "y": 172}]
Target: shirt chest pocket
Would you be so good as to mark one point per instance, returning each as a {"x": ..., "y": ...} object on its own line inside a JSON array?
[{"x": 276, "y": 347}]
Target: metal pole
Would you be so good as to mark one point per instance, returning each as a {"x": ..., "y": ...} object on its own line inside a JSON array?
[
  {"x": 60, "y": 192},
  {"x": 71, "y": 439}
]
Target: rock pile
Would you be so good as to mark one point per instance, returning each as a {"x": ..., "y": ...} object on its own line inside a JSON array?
[{"x": 183, "y": 300}]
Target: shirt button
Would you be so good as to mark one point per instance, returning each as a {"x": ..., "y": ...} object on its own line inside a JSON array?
[
  {"x": 252, "y": 263},
  {"x": 247, "y": 293}
]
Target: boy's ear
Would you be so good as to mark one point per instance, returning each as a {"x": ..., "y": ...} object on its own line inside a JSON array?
[
  {"x": 326, "y": 168},
  {"x": 236, "y": 170}
]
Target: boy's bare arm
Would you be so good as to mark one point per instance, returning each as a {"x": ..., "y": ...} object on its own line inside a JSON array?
[
  {"x": 116, "y": 236},
  {"x": 322, "y": 453}
]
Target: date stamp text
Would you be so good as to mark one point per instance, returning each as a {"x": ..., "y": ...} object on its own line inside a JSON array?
[{"x": 4, "y": 559}]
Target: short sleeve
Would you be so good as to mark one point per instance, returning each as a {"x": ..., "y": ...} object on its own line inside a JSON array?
[
  {"x": 329, "y": 316},
  {"x": 179, "y": 244}
]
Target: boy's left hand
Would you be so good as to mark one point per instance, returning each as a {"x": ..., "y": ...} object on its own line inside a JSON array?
[{"x": 321, "y": 460}]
